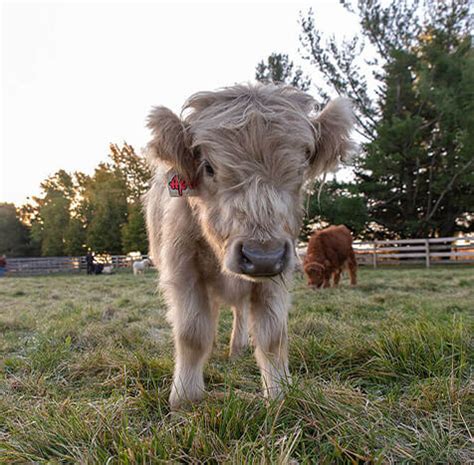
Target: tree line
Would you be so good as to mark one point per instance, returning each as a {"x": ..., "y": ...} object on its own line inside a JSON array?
[
  {"x": 410, "y": 76},
  {"x": 77, "y": 212}
]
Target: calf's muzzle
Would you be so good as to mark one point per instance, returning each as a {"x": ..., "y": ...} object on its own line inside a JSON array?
[{"x": 263, "y": 258}]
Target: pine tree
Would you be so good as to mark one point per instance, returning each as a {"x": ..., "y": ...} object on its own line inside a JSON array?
[
  {"x": 414, "y": 110},
  {"x": 278, "y": 69}
]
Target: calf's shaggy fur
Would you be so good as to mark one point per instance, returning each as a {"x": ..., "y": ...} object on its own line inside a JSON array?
[
  {"x": 248, "y": 151},
  {"x": 329, "y": 251}
]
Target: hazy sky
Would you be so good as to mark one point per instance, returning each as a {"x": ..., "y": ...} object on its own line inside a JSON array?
[{"x": 76, "y": 76}]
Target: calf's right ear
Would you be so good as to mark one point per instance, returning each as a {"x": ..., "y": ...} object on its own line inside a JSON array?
[
  {"x": 333, "y": 142},
  {"x": 170, "y": 143}
]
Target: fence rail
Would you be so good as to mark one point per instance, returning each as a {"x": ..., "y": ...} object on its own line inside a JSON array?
[
  {"x": 430, "y": 252},
  {"x": 48, "y": 265}
]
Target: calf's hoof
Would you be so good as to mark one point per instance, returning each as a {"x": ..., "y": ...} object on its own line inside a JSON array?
[{"x": 183, "y": 400}]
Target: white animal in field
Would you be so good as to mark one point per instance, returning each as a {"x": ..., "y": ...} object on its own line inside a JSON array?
[
  {"x": 140, "y": 266},
  {"x": 108, "y": 269}
]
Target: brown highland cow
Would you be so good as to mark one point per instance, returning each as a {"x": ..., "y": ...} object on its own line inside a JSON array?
[{"x": 329, "y": 251}]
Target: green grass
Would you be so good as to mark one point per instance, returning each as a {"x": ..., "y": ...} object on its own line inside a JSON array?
[{"x": 382, "y": 373}]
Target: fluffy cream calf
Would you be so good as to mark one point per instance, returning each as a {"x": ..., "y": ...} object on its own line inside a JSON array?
[{"x": 224, "y": 211}]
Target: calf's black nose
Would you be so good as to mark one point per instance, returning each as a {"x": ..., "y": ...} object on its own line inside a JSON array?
[{"x": 263, "y": 258}]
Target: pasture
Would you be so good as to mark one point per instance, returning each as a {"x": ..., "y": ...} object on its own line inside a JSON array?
[{"x": 381, "y": 373}]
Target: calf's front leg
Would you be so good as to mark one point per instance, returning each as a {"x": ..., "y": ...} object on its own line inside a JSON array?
[
  {"x": 268, "y": 326},
  {"x": 194, "y": 321}
]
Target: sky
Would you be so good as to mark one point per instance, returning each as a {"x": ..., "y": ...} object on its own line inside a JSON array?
[{"x": 77, "y": 76}]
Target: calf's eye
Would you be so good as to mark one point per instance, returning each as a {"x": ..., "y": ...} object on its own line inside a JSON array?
[{"x": 209, "y": 169}]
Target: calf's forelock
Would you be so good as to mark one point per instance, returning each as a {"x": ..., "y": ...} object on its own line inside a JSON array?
[{"x": 256, "y": 120}]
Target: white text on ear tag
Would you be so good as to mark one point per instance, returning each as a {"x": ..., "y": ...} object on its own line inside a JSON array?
[{"x": 178, "y": 186}]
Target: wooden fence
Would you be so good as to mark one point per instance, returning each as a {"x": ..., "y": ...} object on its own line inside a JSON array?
[
  {"x": 47, "y": 265},
  {"x": 427, "y": 252}
]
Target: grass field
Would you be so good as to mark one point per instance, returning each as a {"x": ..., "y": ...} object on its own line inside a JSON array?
[{"x": 381, "y": 373}]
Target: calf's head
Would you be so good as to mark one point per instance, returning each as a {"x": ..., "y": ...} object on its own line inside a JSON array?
[
  {"x": 315, "y": 272},
  {"x": 248, "y": 151}
]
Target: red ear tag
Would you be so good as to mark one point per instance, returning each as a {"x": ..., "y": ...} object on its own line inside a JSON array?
[{"x": 177, "y": 186}]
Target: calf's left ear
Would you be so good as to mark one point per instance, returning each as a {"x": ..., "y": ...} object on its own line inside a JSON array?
[
  {"x": 170, "y": 142},
  {"x": 333, "y": 143}
]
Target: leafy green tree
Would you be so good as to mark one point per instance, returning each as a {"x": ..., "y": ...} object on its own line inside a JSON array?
[
  {"x": 53, "y": 216},
  {"x": 50, "y": 213},
  {"x": 76, "y": 211},
  {"x": 105, "y": 208},
  {"x": 75, "y": 238},
  {"x": 134, "y": 169},
  {"x": 137, "y": 176},
  {"x": 14, "y": 235},
  {"x": 111, "y": 201},
  {"x": 134, "y": 235},
  {"x": 278, "y": 69}
]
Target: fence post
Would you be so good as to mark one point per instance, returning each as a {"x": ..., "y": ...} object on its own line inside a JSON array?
[
  {"x": 427, "y": 252},
  {"x": 374, "y": 257}
]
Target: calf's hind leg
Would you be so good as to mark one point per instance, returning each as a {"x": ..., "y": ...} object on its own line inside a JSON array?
[
  {"x": 352, "y": 267},
  {"x": 239, "y": 339}
]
